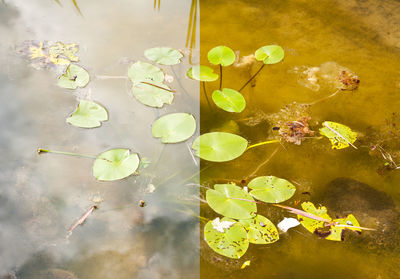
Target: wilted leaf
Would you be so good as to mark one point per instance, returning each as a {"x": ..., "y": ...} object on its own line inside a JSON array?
[
  {"x": 337, "y": 231},
  {"x": 88, "y": 115},
  {"x": 75, "y": 76},
  {"x": 260, "y": 230},
  {"x": 311, "y": 224},
  {"x": 231, "y": 201},
  {"x": 164, "y": 55},
  {"x": 174, "y": 127},
  {"x": 229, "y": 100},
  {"x": 232, "y": 243},
  {"x": 340, "y": 135},
  {"x": 219, "y": 146},
  {"x": 271, "y": 189}
]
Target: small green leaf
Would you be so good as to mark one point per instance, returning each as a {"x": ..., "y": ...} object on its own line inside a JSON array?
[
  {"x": 340, "y": 135},
  {"x": 232, "y": 243},
  {"x": 202, "y": 73},
  {"x": 142, "y": 71},
  {"x": 311, "y": 224},
  {"x": 219, "y": 146},
  {"x": 174, "y": 127},
  {"x": 88, "y": 115},
  {"x": 229, "y": 100},
  {"x": 271, "y": 189},
  {"x": 221, "y": 55},
  {"x": 231, "y": 201},
  {"x": 115, "y": 164},
  {"x": 260, "y": 230},
  {"x": 270, "y": 54},
  {"x": 152, "y": 95},
  {"x": 163, "y": 55},
  {"x": 75, "y": 76}
]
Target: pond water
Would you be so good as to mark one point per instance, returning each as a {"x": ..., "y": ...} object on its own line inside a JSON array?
[
  {"x": 43, "y": 196},
  {"x": 363, "y": 36}
]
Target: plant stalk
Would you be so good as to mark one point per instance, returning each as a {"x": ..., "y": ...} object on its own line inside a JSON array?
[
  {"x": 220, "y": 76},
  {"x": 41, "y": 150},
  {"x": 205, "y": 94},
  {"x": 262, "y": 143},
  {"x": 259, "y": 70}
]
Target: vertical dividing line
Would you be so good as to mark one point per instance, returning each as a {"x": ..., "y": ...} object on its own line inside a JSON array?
[{"x": 220, "y": 76}]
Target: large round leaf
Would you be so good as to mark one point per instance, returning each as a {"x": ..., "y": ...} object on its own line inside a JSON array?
[
  {"x": 232, "y": 243},
  {"x": 229, "y": 100},
  {"x": 271, "y": 189},
  {"x": 164, "y": 55},
  {"x": 174, "y": 127},
  {"x": 115, "y": 164},
  {"x": 74, "y": 76},
  {"x": 219, "y": 146},
  {"x": 152, "y": 94},
  {"x": 88, "y": 115},
  {"x": 142, "y": 71},
  {"x": 270, "y": 54},
  {"x": 202, "y": 73},
  {"x": 231, "y": 201},
  {"x": 221, "y": 55},
  {"x": 260, "y": 230}
]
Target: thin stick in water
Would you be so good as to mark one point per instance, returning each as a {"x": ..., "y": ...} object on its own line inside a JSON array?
[{"x": 259, "y": 70}]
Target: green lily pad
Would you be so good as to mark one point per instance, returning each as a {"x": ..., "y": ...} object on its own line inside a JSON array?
[
  {"x": 174, "y": 127},
  {"x": 164, "y": 55},
  {"x": 142, "y": 71},
  {"x": 339, "y": 135},
  {"x": 219, "y": 146},
  {"x": 311, "y": 224},
  {"x": 74, "y": 77},
  {"x": 152, "y": 95},
  {"x": 221, "y": 55},
  {"x": 231, "y": 201},
  {"x": 115, "y": 164},
  {"x": 260, "y": 230},
  {"x": 229, "y": 100},
  {"x": 202, "y": 73},
  {"x": 271, "y": 189},
  {"x": 232, "y": 243},
  {"x": 88, "y": 115},
  {"x": 270, "y": 54}
]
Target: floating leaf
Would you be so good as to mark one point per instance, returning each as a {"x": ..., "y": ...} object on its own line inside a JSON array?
[
  {"x": 337, "y": 231},
  {"x": 219, "y": 146},
  {"x": 229, "y": 100},
  {"x": 340, "y": 135},
  {"x": 232, "y": 243},
  {"x": 271, "y": 189},
  {"x": 221, "y": 55},
  {"x": 202, "y": 73},
  {"x": 73, "y": 77},
  {"x": 152, "y": 94},
  {"x": 260, "y": 230},
  {"x": 88, "y": 115},
  {"x": 231, "y": 201},
  {"x": 270, "y": 54},
  {"x": 164, "y": 55},
  {"x": 115, "y": 164},
  {"x": 174, "y": 127},
  {"x": 142, "y": 71},
  {"x": 313, "y": 225}
]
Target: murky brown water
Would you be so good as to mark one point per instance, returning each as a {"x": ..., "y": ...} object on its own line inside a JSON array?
[
  {"x": 42, "y": 196},
  {"x": 363, "y": 36}
]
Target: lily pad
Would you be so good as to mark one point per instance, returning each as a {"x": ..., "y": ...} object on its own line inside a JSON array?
[
  {"x": 75, "y": 76},
  {"x": 232, "y": 243},
  {"x": 219, "y": 146},
  {"x": 174, "y": 127},
  {"x": 222, "y": 55},
  {"x": 164, "y": 55},
  {"x": 229, "y": 100},
  {"x": 270, "y": 54},
  {"x": 260, "y": 230},
  {"x": 337, "y": 231},
  {"x": 313, "y": 225},
  {"x": 152, "y": 94},
  {"x": 88, "y": 115},
  {"x": 142, "y": 71},
  {"x": 202, "y": 73},
  {"x": 271, "y": 189},
  {"x": 231, "y": 201},
  {"x": 115, "y": 164},
  {"x": 340, "y": 135}
]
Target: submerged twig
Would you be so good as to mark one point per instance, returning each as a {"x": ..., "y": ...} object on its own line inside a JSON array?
[
  {"x": 259, "y": 70},
  {"x": 265, "y": 162},
  {"x": 324, "y": 98},
  {"x": 205, "y": 94},
  {"x": 81, "y": 220}
]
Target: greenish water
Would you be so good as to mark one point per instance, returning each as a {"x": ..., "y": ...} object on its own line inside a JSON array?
[{"x": 363, "y": 36}]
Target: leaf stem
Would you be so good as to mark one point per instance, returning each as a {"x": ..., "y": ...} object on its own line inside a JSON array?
[
  {"x": 262, "y": 143},
  {"x": 205, "y": 94},
  {"x": 160, "y": 87},
  {"x": 259, "y": 70},
  {"x": 41, "y": 150},
  {"x": 220, "y": 76}
]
